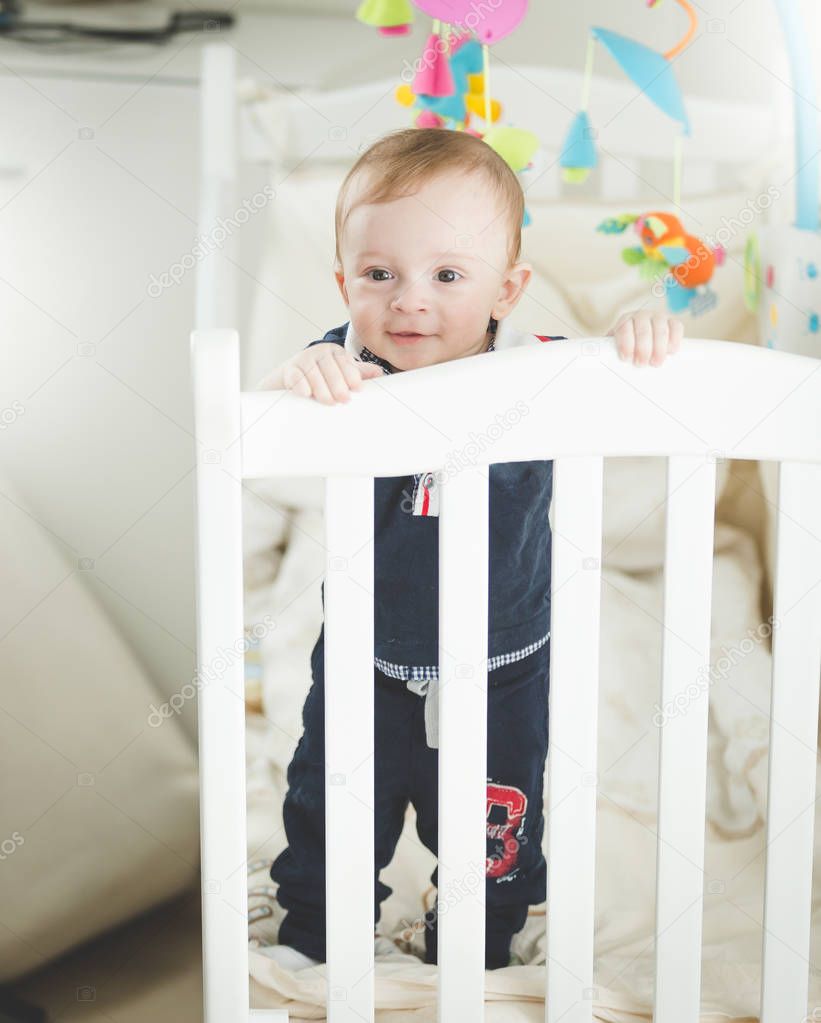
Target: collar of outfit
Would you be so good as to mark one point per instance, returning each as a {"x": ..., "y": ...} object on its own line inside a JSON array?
[
  {"x": 424, "y": 679},
  {"x": 503, "y": 335}
]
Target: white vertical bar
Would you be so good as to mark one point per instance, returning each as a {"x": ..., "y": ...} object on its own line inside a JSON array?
[
  {"x": 216, "y": 275},
  {"x": 573, "y": 717},
  {"x": 349, "y": 748},
  {"x": 221, "y": 703},
  {"x": 688, "y": 580},
  {"x": 463, "y": 638},
  {"x": 791, "y": 791}
]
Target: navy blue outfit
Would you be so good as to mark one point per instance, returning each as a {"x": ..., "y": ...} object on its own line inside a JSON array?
[{"x": 406, "y": 767}]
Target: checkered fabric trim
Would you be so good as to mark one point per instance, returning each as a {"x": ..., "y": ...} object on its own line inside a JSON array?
[
  {"x": 366, "y": 355},
  {"x": 430, "y": 672}
]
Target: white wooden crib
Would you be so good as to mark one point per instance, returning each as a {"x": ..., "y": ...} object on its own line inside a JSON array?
[{"x": 583, "y": 405}]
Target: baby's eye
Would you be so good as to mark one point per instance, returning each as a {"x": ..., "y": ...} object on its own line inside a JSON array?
[
  {"x": 378, "y": 270},
  {"x": 447, "y": 280}
]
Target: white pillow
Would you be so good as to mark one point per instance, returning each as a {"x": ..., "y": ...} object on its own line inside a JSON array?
[
  {"x": 96, "y": 794},
  {"x": 299, "y": 300},
  {"x": 563, "y": 245}
]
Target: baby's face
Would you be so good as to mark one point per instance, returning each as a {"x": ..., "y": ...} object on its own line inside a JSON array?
[{"x": 423, "y": 274}]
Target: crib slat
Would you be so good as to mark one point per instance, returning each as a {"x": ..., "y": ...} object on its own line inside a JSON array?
[
  {"x": 221, "y": 703},
  {"x": 573, "y": 713},
  {"x": 216, "y": 287},
  {"x": 793, "y": 739},
  {"x": 349, "y": 746},
  {"x": 462, "y": 847},
  {"x": 688, "y": 579}
]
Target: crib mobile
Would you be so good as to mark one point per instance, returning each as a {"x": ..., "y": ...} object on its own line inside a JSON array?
[
  {"x": 452, "y": 82},
  {"x": 667, "y": 255},
  {"x": 452, "y": 77}
]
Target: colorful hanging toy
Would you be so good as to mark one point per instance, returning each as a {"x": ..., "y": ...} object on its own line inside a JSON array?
[
  {"x": 451, "y": 83},
  {"x": 667, "y": 252},
  {"x": 681, "y": 260}
]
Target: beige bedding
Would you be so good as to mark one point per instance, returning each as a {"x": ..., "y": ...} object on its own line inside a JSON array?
[{"x": 626, "y": 846}]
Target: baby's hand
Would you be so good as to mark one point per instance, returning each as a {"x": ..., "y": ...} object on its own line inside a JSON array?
[
  {"x": 325, "y": 372},
  {"x": 646, "y": 338}
]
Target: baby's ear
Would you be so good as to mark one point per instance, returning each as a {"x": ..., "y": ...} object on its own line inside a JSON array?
[
  {"x": 513, "y": 285},
  {"x": 340, "y": 281}
]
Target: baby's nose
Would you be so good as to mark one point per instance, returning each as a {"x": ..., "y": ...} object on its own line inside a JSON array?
[{"x": 412, "y": 296}]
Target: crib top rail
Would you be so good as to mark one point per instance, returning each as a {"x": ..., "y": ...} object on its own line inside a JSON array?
[
  {"x": 573, "y": 398},
  {"x": 713, "y": 398}
]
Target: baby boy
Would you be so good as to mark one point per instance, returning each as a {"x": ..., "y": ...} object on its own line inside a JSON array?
[{"x": 428, "y": 242}]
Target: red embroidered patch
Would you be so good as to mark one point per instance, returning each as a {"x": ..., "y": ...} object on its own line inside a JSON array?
[{"x": 514, "y": 803}]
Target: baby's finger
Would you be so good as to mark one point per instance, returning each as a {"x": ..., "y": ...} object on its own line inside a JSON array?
[
  {"x": 625, "y": 339},
  {"x": 319, "y": 386},
  {"x": 614, "y": 330},
  {"x": 349, "y": 372},
  {"x": 355, "y": 371},
  {"x": 295, "y": 381},
  {"x": 661, "y": 337},
  {"x": 330, "y": 366},
  {"x": 644, "y": 338},
  {"x": 676, "y": 335}
]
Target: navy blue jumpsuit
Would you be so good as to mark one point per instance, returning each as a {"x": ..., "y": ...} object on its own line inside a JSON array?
[{"x": 405, "y": 766}]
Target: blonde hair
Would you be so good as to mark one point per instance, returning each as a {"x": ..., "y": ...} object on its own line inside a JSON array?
[{"x": 404, "y": 159}]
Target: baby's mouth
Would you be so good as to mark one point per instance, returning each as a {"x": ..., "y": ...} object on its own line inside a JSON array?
[{"x": 406, "y": 337}]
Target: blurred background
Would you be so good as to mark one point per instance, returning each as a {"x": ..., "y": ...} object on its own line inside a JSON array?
[{"x": 100, "y": 194}]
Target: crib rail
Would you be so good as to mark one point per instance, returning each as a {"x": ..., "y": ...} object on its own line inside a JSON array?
[
  {"x": 580, "y": 404},
  {"x": 715, "y": 398}
]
